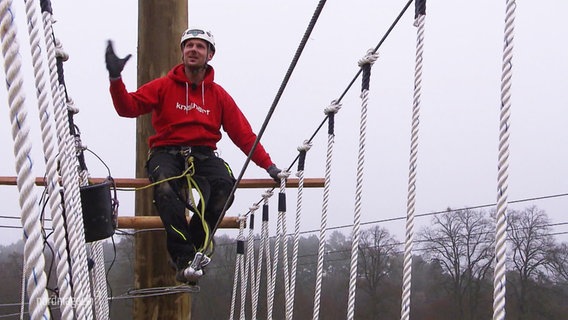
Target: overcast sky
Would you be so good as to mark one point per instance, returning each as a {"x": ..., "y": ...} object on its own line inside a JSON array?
[{"x": 256, "y": 40}]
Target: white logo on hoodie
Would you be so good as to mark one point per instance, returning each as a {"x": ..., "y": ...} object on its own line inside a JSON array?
[{"x": 192, "y": 106}]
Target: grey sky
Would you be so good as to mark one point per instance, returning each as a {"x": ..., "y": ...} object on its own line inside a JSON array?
[{"x": 458, "y": 142}]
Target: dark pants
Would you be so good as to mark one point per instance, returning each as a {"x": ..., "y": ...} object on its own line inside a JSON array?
[{"x": 215, "y": 181}]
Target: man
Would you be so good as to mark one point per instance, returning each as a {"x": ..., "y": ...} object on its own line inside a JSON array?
[{"x": 188, "y": 111}]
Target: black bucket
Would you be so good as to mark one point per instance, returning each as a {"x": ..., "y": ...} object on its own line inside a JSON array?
[{"x": 98, "y": 216}]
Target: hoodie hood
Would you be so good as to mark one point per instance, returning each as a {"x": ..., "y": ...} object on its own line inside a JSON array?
[{"x": 177, "y": 74}]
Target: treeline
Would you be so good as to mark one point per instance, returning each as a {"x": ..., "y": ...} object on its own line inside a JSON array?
[{"x": 452, "y": 273}]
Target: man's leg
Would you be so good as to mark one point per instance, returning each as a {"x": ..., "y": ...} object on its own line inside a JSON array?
[{"x": 170, "y": 206}]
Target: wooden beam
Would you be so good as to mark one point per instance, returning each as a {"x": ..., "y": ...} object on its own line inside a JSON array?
[
  {"x": 151, "y": 222},
  {"x": 141, "y": 182}
]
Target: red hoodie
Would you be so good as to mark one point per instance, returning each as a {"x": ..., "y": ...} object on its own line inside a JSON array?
[{"x": 188, "y": 115}]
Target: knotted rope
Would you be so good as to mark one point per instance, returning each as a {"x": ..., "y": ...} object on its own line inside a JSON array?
[
  {"x": 365, "y": 63},
  {"x": 330, "y": 112},
  {"x": 419, "y": 21}
]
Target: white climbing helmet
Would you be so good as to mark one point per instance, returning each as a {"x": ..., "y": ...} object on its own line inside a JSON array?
[{"x": 197, "y": 33}]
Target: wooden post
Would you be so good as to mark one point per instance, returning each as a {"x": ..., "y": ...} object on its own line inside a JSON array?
[{"x": 160, "y": 24}]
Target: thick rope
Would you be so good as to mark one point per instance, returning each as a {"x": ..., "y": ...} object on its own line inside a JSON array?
[
  {"x": 275, "y": 259},
  {"x": 419, "y": 22},
  {"x": 330, "y": 112},
  {"x": 303, "y": 149},
  {"x": 499, "y": 281},
  {"x": 265, "y": 248},
  {"x": 34, "y": 259},
  {"x": 239, "y": 272},
  {"x": 98, "y": 274},
  {"x": 365, "y": 63},
  {"x": 69, "y": 177},
  {"x": 283, "y": 240},
  {"x": 50, "y": 156},
  {"x": 254, "y": 280}
]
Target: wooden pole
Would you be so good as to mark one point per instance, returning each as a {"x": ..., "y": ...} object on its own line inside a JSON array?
[{"x": 160, "y": 25}]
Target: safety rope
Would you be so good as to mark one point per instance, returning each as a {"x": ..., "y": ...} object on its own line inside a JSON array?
[
  {"x": 50, "y": 156},
  {"x": 365, "y": 63},
  {"x": 283, "y": 85},
  {"x": 283, "y": 239},
  {"x": 69, "y": 174},
  {"x": 265, "y": 248},
  {"x": 239, "y": 273},
  {"x": 330, "y": 112},
  {"x": 34, "y": 260},
  {"x": 250, "y": 267},
  {"x": 499, "y": 280},
  {"x": 275, "y": 259},
  {"x": 303, "y": 149},
  {"x": 419, "y": 22}
]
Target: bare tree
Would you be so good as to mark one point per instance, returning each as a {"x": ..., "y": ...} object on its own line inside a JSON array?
[
  {"x": 532, "y": 245},
  {"x": 559, "y": 262},
  {"x": 377, "y": 250},
  {"x": 462, "y": 243}
]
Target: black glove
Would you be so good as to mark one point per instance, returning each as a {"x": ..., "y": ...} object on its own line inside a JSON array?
[
  {"x": 113, "y": 63},
  {"x": 273, "y": 171}
]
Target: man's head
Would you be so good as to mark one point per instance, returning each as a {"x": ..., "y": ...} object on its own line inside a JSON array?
[
  {"x": 197, "y": 47},
  {"x": 197, "y": 33}
]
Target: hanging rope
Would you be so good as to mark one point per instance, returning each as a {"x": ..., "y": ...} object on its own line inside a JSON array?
[
  {"x": 303, "y": 149},
  {"x": 265, "y": 247},
  {"x": 419, "y": 21},
  {"x": 34, "y": 260},
  {"x": 282, "y": 239},
  {"x": 330, "y": 112},
  {"x": 365, "y": 63},
  {"x": 239, "y": 272},
  {"x": 254, "y": 280},
  {"x": 499, "y": 281},
  {"x": 50, "y": 156},
  {"x": 69, "y": 174}
]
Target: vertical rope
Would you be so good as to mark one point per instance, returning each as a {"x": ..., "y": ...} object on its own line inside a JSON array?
[
  {"x": 239, "y": 270},
  {"x": 301, "y": 164},
  {"x": 283, "y": 239},
  {"x": 330, "y": 112},
  {"x": 499, "y": 281},
  {"x": 50, "y": 156},
  {"x": 250, "y": 263},
  {"x": 365, "y": 63},
  {"x": 33, "y": 248},
  {"x": 270, "y": 266},
  {"x": 69, "y": 176},
  {"x": 419, "y": 22}
]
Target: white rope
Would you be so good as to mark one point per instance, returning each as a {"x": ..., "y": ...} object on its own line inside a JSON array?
[
  {"x": 70, "y": 181},
  {"x": 499, "y": 281},
  {"x": 239, "y": 274},
  {"x": 275, "y": 260},
  {"x": 33, "y": 248},
  {"x": 365, "y": 63},
  {"x": 283, "y": 240},
  {"x": 98, "y": 277},
  {"x": 50, "y": 156},
  {"x": 303, "y": 149},
  {"x": 411, "y": 198},
  {"x": 254, "y": 278},
  {"x": 98, "y": 274},
  {"x": 265, "y": 247},
  {"x": 330, "y": 111}
]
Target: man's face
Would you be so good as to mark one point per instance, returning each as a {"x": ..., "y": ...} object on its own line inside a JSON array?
[{"x": 196, "y": 53}]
